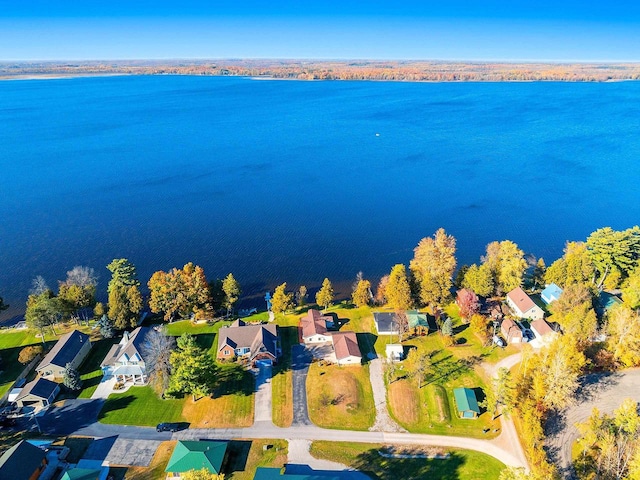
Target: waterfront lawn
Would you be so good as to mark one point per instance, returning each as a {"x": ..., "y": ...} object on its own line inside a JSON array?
[
  {"x": 460, "y": 465},
  {"x": 231, "y": 405},
  {"x": 282, "y": 380},
  {"x": 205, "y": 334},
  {"x": 340, "y": 397},
  {"x": 432, "y": 409},
  {"x": 140, "y": 406}
]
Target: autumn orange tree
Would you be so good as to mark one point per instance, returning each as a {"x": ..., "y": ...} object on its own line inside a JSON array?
[{"x": 179, "y": 292}]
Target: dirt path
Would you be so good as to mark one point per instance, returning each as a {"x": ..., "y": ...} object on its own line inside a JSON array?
[{"x": 384, "y": 422}]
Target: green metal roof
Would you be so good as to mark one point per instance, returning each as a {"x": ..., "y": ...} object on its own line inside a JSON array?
[
  {"x": 267, "y": 473},
  {"x": 416, "y": 319},
  {"x": 466, "y": 400},
  {"x": 81, "y": 474},
  {"x": 194, "y": 455}
]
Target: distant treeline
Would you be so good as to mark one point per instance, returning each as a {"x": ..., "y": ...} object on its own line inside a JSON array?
[{"x": 415, "y": 71}]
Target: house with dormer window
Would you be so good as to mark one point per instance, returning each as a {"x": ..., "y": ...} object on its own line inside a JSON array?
[
  {"x": 251, "y": 342},
  {"x": 125, "y": 361}
]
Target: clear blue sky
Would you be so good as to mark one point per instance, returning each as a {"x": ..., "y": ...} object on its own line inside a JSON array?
[{"x": 556, "y": 30}]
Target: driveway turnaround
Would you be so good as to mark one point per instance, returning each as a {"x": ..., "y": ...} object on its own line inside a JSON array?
[
  {"x": 300, "y": 365},
  {"x": 604, "y": 391},
  {"x": 135, "y": 453}
]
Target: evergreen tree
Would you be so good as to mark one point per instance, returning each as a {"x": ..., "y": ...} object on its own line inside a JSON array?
[
  {"x": 397, "y": 290},
  {"x": 106, "y": 327},
  {"x": 362, "y": 294},
  {"x": 194, "y": 371},
  {"x": 125, "y": 300},
  {"x": 71, "y": 378}
]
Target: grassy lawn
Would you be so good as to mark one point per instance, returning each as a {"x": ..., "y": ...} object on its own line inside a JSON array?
[
  {"x": 340, "y": 397},
  {"x": 204, "y": 333},
  {"x": 282, "y": 381},
  {"x": 247, "y": 455},
  {"x": 460, "y": 465},
  {"x": 155, "y": 470},
  {"x": 140, "y": 406},
  {"x": 432, "y": 409},
  {"x": 231, "y": 405}
]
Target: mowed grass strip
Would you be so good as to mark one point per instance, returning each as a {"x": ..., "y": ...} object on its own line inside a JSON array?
[
  {"x": 340, "y": 397},
  {"x": 245, "y": 456},
  {"x": 231, "y": 404},
  {"x": 140, "y": 406},
  {"x": 459, "y": 465}
]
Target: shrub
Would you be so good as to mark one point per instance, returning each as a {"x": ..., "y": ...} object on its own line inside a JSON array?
[{"x": 27, "y": 354}]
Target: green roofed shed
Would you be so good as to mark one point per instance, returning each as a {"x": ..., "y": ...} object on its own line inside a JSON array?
[
  {"x": 196, "y": 455},
  {"x": 81, "y": 474},
  {"x": 417, "y": 319},
  {"x": 467, "y": 402},
  {"x": 269, "y": 473}
]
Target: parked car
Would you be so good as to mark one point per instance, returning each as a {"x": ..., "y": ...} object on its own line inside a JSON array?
[
  {"x": 499, "y": 341},
  {"x": 169, "y": 427}
]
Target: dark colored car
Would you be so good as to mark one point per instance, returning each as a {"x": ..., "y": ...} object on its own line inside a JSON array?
[{"x": 168, "y": 427}]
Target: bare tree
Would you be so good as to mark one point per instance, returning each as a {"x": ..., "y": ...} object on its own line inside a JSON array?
[
  {"x": 402, "y": 324},
  {"x": 157, "y": 350},
  {"x": 39, "y": 285},
  {"x": 82, "y": 276}
]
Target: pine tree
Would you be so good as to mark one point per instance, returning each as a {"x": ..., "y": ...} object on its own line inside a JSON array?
[
  {"x": 71, "y": 378},
  {"x": 106, "y": 327}
]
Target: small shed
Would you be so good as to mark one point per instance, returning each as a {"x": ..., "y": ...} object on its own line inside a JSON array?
[
  {"x": 511, "y": 331},
  {"x": 551, "y": 293},
  {"x": 394, "y": 351},
  {"x": 466, "y": 402}
]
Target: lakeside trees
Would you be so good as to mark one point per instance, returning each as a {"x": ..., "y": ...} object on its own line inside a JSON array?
[
  {"x": 180, "y": 292},
  {"x": 361, "y": 295},
  {"x": 397, "y": 290},
  {"x": 43, "y": 310},
  {"x": 281, "y": 301},
  {"x": 231, "y": 289},
  {"x": 78, "y": 291},
  {"x": 125, "y": 299},
  {"x": 433, "y": 265},
  {"x": 324, "y": 297}
]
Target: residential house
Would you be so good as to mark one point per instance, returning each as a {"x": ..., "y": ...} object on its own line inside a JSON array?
[
  {"x": 345, "y": 346},
  {"x": 23, "y": 461},
  {"x": 125, "y": 361},
  {"x": 71, "y": 348},
  {"x": 394, "y": 352},
  {"x": 314, "y": 327},
  {"x": 87, "y": 469},
  {"x": 551, "y": 293},
  {"x": 511, "y": 331},
  {"x": 466, "y": 402},
  {"x": 522, "y": 305},
  {"x": 252, "y": 342},
  {"x": 543, "y": 331},
  {"x": 196, "y": 455},
  {"x": 39, "y": 393},
  {"x": 270, "y": 473},
  {"x": 415, "y": 319}
]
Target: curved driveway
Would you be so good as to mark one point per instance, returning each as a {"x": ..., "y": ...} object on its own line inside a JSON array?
[{"x": 606, "y": 391}]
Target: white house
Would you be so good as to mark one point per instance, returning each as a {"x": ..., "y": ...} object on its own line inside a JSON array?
[
  {"x": 345, "y": 346},
  {"x": 125, "y": 361},
  {"x": 394, "y": 352},
  {"x": 543, "y": 331},
  {"x": 522, "y": 305},
  {"x": 511, "y": 331}
]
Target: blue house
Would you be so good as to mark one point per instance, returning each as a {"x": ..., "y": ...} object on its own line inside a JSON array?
[{"x": 551, "y": 293}]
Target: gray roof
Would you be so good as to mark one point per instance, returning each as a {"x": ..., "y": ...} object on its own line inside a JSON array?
[
  {"x": 259, "y": 338},
  {"x": 40, "y": 387},
  {"x": 65, "y": 350},
  {"x": 130, "y": 345},
  {"x": 21, "y": 460},
  {"x": 385, "y": 322}
]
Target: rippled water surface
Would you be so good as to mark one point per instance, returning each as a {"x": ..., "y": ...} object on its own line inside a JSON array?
[{"x": 294, "y": 181}]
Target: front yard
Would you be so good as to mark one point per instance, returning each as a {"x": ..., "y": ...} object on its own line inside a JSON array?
[
  {"x": 340, "y": 397},
  {"x": 140, "y": 406},
  {"x": 459, "y": 465}
]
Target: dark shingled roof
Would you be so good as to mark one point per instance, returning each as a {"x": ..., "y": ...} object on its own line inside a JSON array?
[
  {"x": 40, "y": 387},
  {"x": 65, "y": 350},
  {"x": 258, "y": 338},
  {"x": 20, "y": 461},
  {"x": 133, "y": 344}
]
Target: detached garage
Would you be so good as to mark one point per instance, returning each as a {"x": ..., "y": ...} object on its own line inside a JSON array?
[{"x": 39, "y": 393}]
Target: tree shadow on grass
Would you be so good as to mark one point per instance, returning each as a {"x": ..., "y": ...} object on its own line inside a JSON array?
[
  {"x": 114, "y": 404},
  {"x": 366, "y": 342},
  {"x": 234, "y": 380},
  {"x": 237, "y": 456},
  {"x": 205, "y": 340},
  {"x": 381, "y": 468}
]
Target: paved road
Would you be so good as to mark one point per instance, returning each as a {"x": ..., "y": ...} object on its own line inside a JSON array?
[
  {"x": 301, "y": 359},
  {"x": 606, "y": 391}
]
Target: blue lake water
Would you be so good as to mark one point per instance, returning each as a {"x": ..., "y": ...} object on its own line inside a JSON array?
[{"x": 294, "y": 181}]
